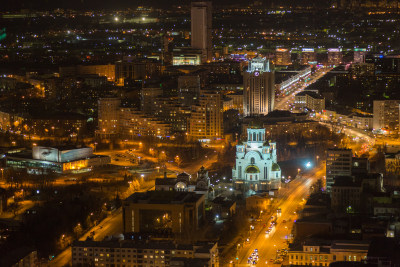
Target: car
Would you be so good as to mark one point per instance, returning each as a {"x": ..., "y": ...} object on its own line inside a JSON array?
[
  {"x": 271, "y": 260},
  {"x": 284, "y": 221}
]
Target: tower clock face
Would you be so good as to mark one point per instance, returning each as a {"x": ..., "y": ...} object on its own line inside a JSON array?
[{"x": 256, "y": 73}]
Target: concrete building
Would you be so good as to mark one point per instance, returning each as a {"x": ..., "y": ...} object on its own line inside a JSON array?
[
  {"x": 281, "y": 122},
  {"x": 317, "y": 253},
  {"x": 20, "y": 257},
  {"x": 308, "y": 56},
  {"x": 338, "y": 163},
  {"x": 346, "y": 195},
  {"x": 309, "y": 101},
  {"x": 282, "y": 56},
  {"x": 63, "y": 159},
  {"x": 201, "y": 28},
  {"x": 386, "y": 116},
  {"x": 292, "y": 77},
  {"x": 135, "y": 123},
  {"x": 170, "y": 111},
  {"x": 363, "y": 122},
  {"x": 363, "y": 69},
  {"x": 108, "y": 116},
  {"x": 256, "y": 165},
  {"x": 335, "y": 56},
  {"x": 137, "y": 69},
  {"x": 174, "y": 212},
  {"x": 206, "y": 121},
  {"x": 187, "y": 56},
  {"x": 359, "y": 55},
  {"x": 258, "y": 202},
  {"x": 148, "y": 94},
  {"x": 189, "y": 89},
  {"x": 117, "y": 121},
  {"x": 100, "y": 70},
  {"x": 259, "y": 88},
  {"x": 237, "y": 101},
  {"x": 120, "y": 252}
]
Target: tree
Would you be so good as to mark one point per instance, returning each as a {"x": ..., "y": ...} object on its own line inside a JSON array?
[
  {"x": 14, "y": 207},
  {"x": 317, "y": 187}
]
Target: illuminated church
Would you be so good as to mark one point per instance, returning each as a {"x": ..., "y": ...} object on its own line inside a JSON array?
[{"x": 256, "y": 165}]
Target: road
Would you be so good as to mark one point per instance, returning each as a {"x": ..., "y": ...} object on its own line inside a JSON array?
[
  {"x": 112, "y": 225},
  {"x": 285, "y": 102},
  {"x": 109, "y": 226},
  {"x": 291, "y": 196},
  {"x": 191, "y": 168}
]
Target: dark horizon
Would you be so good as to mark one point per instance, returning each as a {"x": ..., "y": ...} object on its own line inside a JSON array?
[{"x": 121, "y": 4}]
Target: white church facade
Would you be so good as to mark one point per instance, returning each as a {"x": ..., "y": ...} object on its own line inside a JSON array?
[{"x": 256, "y": 166}]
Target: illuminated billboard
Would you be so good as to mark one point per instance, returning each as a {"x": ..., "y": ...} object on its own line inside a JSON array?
[{"x": 334, "y": 49}]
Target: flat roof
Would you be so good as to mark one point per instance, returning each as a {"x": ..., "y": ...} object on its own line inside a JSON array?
[{"x": 164, "y": 197}]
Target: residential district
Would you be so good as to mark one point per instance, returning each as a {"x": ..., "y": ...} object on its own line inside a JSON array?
[{"x": 199, "y": 133}]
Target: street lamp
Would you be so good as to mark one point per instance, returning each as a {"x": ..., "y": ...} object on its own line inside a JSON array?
[{"x": 2, "y": 170}]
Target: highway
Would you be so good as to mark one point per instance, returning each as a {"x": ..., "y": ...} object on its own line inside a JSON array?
[{"x": 291, "y": 197}]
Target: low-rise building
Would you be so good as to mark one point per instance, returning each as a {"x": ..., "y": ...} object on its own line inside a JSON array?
[
  {"x": 175, "y": 212},
  {"x": 309, "y": 100},
  {"x": 116, "y": 252},
  {"x": 61, "y": 159},
  {"x": 320, "y": 253},
  {"x": 258, "y": 202},
  {"x": 363, "y": 122}
]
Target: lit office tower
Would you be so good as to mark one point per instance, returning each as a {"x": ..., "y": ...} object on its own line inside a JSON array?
[
  {"x": 308, "y": 56},
  {"x": 259, "y": 88},
  {"x": 386, "y": 116},
  {"x": 282, "y": 56},
  {"x": 108, "y": 116},
  {"x": 201, "y": 14},
  {"x": 334, "y": 56},
  {"x": 338, "y": 163},
  {"x": 206, "y": 121},
  {"x": 359, "y": 55}
]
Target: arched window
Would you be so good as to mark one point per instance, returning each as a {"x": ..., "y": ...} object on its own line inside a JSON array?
[
  {"x": 254, "y": 137},
  {"x": 252, "y": 161}
]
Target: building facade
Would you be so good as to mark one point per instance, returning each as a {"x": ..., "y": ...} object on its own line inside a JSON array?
[
  {"x": 359, "y": 55},
  {"x": 316, "y": 254},
  {"x": 259, "y": 88},
  {"x": 206, "y": 121},
  {"x": 309, "y": 100},
  {"x": 338, "y": 163},
  {"x": 308, "y": 56},
  {"x": 386, "y": 116},
  {"x": 335, "y": 56},
  {"x": 256, "y": 165},
  {"x": 139, "y": 253},
  {"x": 282, "y": 56},
  {"x": 108, "y": 116},
  {"x": 174, "y": 212},
  {"x": 201, "y": 26}
]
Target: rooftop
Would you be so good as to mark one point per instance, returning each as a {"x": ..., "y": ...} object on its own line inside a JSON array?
[
  {"x": 310, "y": 93},
  {"x": 164, "y": 197}
]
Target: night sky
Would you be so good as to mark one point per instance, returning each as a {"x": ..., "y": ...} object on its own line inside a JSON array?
[{"x": 13, "y": 5}]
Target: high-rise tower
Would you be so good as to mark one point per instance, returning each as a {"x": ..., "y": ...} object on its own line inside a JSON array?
[
  {"x": 201, "y": 14},
  {"x": 259, "y": 88}
]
